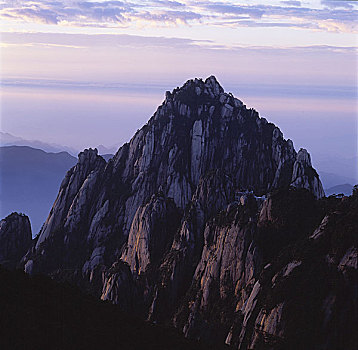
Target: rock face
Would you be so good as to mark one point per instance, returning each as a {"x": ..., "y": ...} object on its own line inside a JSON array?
[
  {"x": 74, "y": 193},
  {"x": 184, "y": 224},
  {"x": 152, "y": 230},
  {"x": 304, "y": 176},
  {"x": 253, "y": 294},
  {"x": 15, "y": 239},
  {"x": 322, "y": 313}
]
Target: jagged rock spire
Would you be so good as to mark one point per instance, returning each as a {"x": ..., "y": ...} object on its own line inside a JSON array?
[{"x": 199, "y": 148}]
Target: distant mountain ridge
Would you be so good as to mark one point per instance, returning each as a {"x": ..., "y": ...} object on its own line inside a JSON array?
[
  {"x": 345, "y": 189},
  {"x": 330, "y": 180},
  {"x": 345, "y": 168},
  {"x": 30, "y": 179},
  {"x": 7, "y": 139}
]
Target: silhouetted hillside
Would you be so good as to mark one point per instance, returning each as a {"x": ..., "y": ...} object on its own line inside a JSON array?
[{"x": 39, "y": 313}]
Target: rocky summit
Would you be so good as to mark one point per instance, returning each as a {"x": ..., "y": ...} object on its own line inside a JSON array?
[{"x": 189, "y": 223}]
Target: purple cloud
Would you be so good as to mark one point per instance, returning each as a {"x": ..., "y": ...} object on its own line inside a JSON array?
[
  {"x": 338, "y": 4},
  {"x": 292, "y": 3},
  {"x": 171, "y": 16},
  {"x": 163, "y": 12},
  {"x": 221, "y": 8}
]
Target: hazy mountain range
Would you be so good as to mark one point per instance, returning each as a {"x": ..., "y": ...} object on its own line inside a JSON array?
[
  {"x": 7, "y": 139},
  {"x": 30, "y": 179},
  {"x": 345, "y": 189}
]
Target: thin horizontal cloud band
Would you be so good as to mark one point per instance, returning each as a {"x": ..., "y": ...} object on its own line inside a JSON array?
[
  {"x": 113, "y": 40},
  {"x": 274, "y": 90}
]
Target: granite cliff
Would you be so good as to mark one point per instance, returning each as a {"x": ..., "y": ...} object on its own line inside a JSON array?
[{"x": 185, "y": 223}]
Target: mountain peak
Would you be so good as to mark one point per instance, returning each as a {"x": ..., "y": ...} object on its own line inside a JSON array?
[
  {"x": 170, "y": 202},
  {"x": 214, "y": 122},
  {"x": 304, "y": 157},
  {"x": 197, "y": 98},
  {"x": 197, "y": 87},
  {"x": 213, "y": 85},
  {"x": 87, "y": 155}
]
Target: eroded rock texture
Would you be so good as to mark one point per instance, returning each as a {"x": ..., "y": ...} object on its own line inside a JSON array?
[{"x": 188, "y": 222}]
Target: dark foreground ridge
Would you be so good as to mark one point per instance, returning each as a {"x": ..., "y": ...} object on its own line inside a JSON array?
[{"x": 38, "y": 313}]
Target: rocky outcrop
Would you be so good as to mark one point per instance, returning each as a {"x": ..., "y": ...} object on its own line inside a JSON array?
[
  {"x": 62, "y": 239},
  {"x": 73, "y": 195},
  {"x": 225, "y": 275},
  {"x": 322, "y": 312},
  {"x": 176, "y": 226},
  {"x": 303, "y": 296},
  {"x": 119, "y": 287},
  {"x": 214, "y": 192},
  {"x": 304, "y": 176},
  {"x": 15, "y": 239},
  {"x": 152, "y": 230}
]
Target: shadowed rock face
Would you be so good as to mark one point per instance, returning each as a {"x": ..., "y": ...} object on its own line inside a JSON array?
[
  {"x": 304, "y": 176},
  {"x": 298, "y": 294},
  {"x": 15, "y": 239},
  {"x": 152, "y": 230},
  {"x": 74, "y": 193},
  {"x": 168, "y": 227}
]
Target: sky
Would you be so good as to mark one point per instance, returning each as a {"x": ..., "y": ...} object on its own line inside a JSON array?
[{"x": 85, "y": 73}]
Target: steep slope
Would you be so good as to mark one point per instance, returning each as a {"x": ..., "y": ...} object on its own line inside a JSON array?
[
  {"x": 307, "y": 296},
  {"x": 139, "y": 230},
  {"x": 281, "y": 277},
  {"x": 29, "y": 180}
]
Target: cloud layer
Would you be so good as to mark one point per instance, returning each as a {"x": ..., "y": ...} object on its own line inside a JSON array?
[{"x": 337, "y": 16}]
